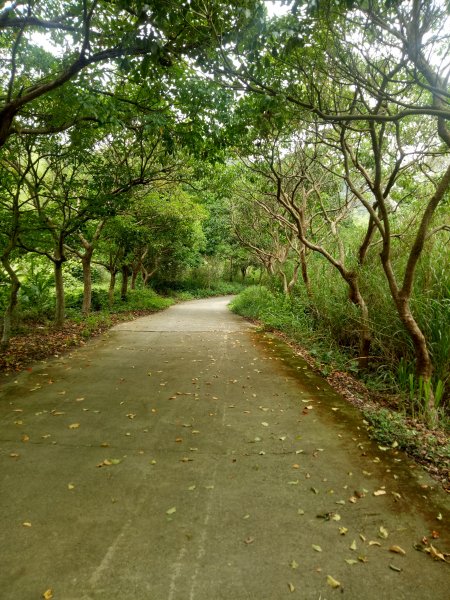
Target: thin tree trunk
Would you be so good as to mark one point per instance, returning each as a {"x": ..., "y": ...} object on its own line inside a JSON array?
[
  {"x": 365, "y": 337},
  {"x": 59, "y": 288},
  {"x": 294, "y": 278},
  {"x": 134, "y": 274},
  {"x": 304, "y": 270},
  {"x": 13, "y": 300},
  {"x": 87, "y": 281},
  {"x": 112, "y": 287},
  {"x": 124, "y": 286}
]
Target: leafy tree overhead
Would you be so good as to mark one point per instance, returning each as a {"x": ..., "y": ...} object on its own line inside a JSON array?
[{"x": 46, "y": 46}]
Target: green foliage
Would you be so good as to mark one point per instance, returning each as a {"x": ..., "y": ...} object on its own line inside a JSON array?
[
  {"x": 389, "y": 428},
  {"x": 190, "y": 289}
]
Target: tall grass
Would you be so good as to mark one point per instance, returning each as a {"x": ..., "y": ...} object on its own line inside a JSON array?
[{"x": 328, "y": 324}]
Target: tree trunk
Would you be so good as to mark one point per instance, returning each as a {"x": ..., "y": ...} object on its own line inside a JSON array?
[
  {"x": 87, "y": 282},
  {"x": 365, "y": 337},
  {"x": 134, "y": 276},
  {"x": 13, "y": 300},
  {"x": 59, "y": 288},
  {"x": 112, "y": 287},
  {"x": 304, "y": 268},
  {"x": 243, "y": 272},
  {"x": 294, "y": 278},
  {"x": 124, "y": 286}
]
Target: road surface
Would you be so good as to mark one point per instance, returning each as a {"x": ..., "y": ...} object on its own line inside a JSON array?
[{"x": 185, "y": 456}]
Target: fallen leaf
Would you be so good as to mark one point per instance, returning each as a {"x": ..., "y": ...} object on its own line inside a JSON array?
[
  {"x": 374, "y": 543},
  {"x": 383, "y": 533},
  {"x": 316, "y": 548},
  {"x": 343, "y": 530},
  {"x": 25, "y": 438},
  {"x": 296, "y": 466},
  {"x": 363, "y": 559},
  {"x": 26, "y": 524},
  {"x": 291, "y": 587},
  {"x": 191, "y": 487},
  {"x": 335, "y": 517},
  {"x": 70, "y": 486},
  {"x": 353, "y": 545},
  {"x": 351, "y": 561},
  {"x": 264, "y": 424},
  {"x": 109, "y": 461},
  {"x": 379, "y": 493},
  {"x": 394, "y": 568},
  {"x": 436, "y": 554},
  {"x": 294, "y": 564},
  {"x": 48, "y": 594},
  {"x": 171, "y": 511},
  {"x": 249, "y": 540},
  {"x": 334, "y": 583},
  {"x": 300, "y": 511},
  {"x": 74, "y": 426},
  {"x": 397, "y": 550},
  {"x": 435, "y": 535}
]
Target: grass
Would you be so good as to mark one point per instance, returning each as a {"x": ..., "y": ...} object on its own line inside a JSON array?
[{"x": 389, "y": 427}]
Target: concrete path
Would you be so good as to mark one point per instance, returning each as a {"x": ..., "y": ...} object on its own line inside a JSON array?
[{"x": 184, "y": 456}]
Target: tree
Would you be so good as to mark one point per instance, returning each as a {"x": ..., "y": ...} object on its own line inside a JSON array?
[{"x": 43, "y": 82}]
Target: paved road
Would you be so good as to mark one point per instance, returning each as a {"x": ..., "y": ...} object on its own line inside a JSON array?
[{"x": 184, "y": 456}]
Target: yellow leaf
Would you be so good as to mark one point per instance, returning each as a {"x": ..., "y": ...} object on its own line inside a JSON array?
[
  {"x": 353, "y": 545},
  {"x": 48, "y": 594},
  {"x": 317, "y": 548},
  {"x": 379, "y": 493},
  {"x": 334, "y": 583},
  {"x": 383, "y": 533},
  {"x": 291, "y": 587},
  {"x": 435, "y": 553},
  {"x": 397, "y": 550},
  {"x": 343, "y": 530},
  {"x": 74, "y": 426},
  {"x": 26, "y": 524},
  {"x": 70, "y": 486},
  {"x": 171, "y": 511},
  {"x": 25, "y": 438}
]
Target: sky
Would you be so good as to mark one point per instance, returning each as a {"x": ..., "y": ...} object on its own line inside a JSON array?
[{"x": 275, "y": 7}]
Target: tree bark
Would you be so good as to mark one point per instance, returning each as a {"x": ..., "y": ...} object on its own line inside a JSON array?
[
  {"x": 304, "y": 270},
  {"x": 124, "y": 286},
  {"x": 13, "y": 300},
  {"x": 365, "y": 337},
  {"x": 87, "y": 281},
  {"x": 112, "y": 287},
  {"x": 59, "y": 288}
]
